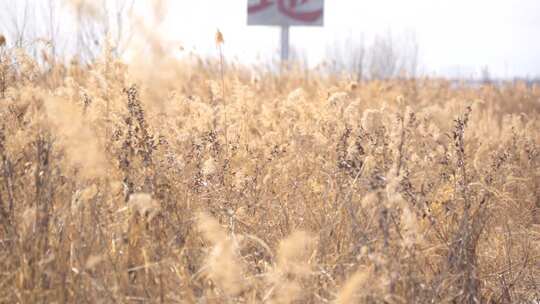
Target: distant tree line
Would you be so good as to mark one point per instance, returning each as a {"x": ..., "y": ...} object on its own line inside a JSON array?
[
  {"x": 387, "y": 56},
  {"x": 58, "y": 28}
]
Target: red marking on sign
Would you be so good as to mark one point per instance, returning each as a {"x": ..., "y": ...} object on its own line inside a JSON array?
[
  {"x": 302, "y": 16},
  {"x": 289, "y": 10},
  {"x": 264, "y": 4}
]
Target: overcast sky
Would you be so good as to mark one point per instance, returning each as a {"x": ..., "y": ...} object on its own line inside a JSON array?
[{"x": 455, "y": 37}]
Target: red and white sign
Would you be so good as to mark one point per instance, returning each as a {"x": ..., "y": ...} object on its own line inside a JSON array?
[{"x": 286, "y": 12}]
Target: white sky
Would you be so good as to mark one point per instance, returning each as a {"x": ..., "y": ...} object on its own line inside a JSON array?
[{"x": 455, "y": 37}]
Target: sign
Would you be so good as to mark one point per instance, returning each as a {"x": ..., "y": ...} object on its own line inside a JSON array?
[{"x": 286, "y": 12}]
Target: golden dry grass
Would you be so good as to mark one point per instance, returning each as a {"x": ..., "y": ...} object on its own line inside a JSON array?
[{"x": 118, "y": 185}]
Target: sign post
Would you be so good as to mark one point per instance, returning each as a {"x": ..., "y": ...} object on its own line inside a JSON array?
[
  {"x": 285, "y": 13},
  {"x": 284, "y": 43}
]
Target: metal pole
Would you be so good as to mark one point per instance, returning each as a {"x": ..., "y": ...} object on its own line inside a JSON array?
[{"x": 284, "y": 43}]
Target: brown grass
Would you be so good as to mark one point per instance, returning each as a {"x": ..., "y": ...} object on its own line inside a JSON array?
[{"x": 135, "y": 184}]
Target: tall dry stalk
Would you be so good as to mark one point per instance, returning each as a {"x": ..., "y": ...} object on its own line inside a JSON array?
[
  {"x": 3, "y": 66},
  {"x": 219, "y": 43}
]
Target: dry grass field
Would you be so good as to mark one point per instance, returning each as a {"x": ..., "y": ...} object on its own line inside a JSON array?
[{"x": 179, "y": 182}]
